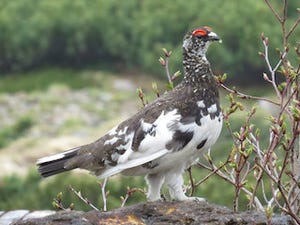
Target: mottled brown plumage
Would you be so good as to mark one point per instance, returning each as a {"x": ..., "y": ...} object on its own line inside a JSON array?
[{"x": 162, "y": 139}]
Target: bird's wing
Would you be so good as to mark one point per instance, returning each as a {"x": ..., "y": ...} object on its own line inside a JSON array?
[
  {"x": 139, "y": 140},
  {"x": 163, "y": 127},
  {"x": 132, "y": 163},
  {"x": 144, "y": 137}
]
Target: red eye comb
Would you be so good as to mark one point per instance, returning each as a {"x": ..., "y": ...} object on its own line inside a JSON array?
[{"x": 199, "y": 32}]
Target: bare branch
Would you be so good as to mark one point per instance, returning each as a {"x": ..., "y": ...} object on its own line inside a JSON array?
[
  {"x": 273, "y": 11},
  {"x": 130, "y": 192},
  {"x": 104, "y": 194},
  {"x": 85, "y": 200},
  {"x": 293, "y": 27},
  {"x": 245, "y": 96}
]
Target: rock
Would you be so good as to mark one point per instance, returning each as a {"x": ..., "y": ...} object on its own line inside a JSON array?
[
  {"x": 7, "y": 218},
  {"x": 11, "y": 216},
  {"x": 160, "y": 213}
]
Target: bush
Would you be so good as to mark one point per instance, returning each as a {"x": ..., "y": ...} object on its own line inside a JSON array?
[
  {"x": 10, "y": 133},
  {"x": 130, "y": 33},
  {"x": 34, "y": 193}
]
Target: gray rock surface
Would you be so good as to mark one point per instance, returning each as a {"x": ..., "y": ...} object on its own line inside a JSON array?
[{"x": 159, "y": 213}]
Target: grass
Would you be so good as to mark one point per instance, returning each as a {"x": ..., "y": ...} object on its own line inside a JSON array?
[
  {"x": 31, "y": 192},
  {"x": 42, "y": 79},
  {"x": 34, "y": 193},
  {"x": 17, "y": 130},
  {"x": 40, "y": 192}
]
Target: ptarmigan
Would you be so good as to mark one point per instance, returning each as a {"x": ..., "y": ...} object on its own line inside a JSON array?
[{"x": 165, "y": 137}]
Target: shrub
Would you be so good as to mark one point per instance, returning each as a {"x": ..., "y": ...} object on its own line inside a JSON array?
[
  {"x": 131, "y": 33},
  {"x": 10, "y": 133}
]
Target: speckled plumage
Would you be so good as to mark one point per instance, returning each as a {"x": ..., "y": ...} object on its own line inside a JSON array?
[{"x": 165, "y": 137}]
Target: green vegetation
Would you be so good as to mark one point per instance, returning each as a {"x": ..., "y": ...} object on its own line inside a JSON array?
[
  {"x": 129, "y": 34},
  {"x": 34, "y": 192},
  {"x": 39, "y": 37},
  {"x": 42, "y": 79},
  {"x": 17, "y": 130},
  {"x": 58, "y": 102}
]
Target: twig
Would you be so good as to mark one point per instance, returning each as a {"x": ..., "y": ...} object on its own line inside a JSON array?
[
  {"x": 213, "y": 171},
  {"x": 271, "y": 70},
  {"x": 58, "y": 204},
  {"x": 84, "y": 199},
  {"x": 273, "y": 10},
  {"x": 165, "y": 63},
  {"x": 293, "y": 27},
  {"x": 130, "y": 192},
  {"x": 245, "y": 96},
  {"x": 193, "y": 187},
  {"x": 104, "y": 197}
]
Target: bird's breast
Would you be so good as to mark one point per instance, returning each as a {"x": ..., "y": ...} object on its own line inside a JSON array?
[{"x": 204, "y": 137}]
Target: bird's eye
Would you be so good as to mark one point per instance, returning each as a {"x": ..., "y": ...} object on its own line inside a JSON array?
[{"x": 199, "y": 33}]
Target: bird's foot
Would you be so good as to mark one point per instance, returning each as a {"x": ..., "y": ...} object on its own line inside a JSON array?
[
  {"x": 191, "y": 198},
  {"x": 196, "y": 199}
]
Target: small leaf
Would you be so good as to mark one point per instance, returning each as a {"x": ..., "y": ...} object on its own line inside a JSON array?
[
  {"x": 266, "y": 41},
  {"x": 59, "y": 195},
  {"x": 155, "y": 89},
  {"x": 166, "y": 52},
  {"x": 248, "y": 197},
  {"x": 55, "y": 205},
  {"x": 176, "y": 74},
  {"x": 269, "y": 212},
  {"x": 72, "y": 206},
  {"x": 162, "y": 61},
  {"x": 263, "y": 36},
  {"x": 261, "y": 54},
  {"x": 170, "y": 86},
  {"x": 265, "y": 76}
]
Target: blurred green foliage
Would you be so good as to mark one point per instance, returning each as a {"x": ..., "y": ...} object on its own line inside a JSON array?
[
  {"x": 34, "y": 192},
  {"x": 42, "y": 79},
  {"x": 10, "y": 133},
  {"x": 120, "y": 34},
  {"x": 130, "y": 34}
]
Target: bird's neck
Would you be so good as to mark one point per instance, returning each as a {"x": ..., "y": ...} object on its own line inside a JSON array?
[{"x": 197, "y": 70}]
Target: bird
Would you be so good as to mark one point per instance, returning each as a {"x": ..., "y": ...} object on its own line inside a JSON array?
[{"x": 165, "y": 137}]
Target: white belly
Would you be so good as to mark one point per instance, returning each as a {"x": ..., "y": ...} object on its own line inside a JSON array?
[{"x": 207, "y": 130}]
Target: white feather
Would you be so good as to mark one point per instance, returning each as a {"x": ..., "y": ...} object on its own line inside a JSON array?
[
  {"x": 201, "y": 104},
  {"x": 146, "y": 126},
  {"x": 55, "y": 157},
  {"x": 212, "y": 108},
  {"x": 163, "y": 133},
  {"x": 113, "y": 131},
  {"x": 132, "y": 163},
  {"x": 125, "y": 157},
  {"x": 111, "y": 141},
  {"x": 151, "y": 147},
  {"x": 122, "y": 132},
  {"x": 152, "y": 144},
  {"x": 209, "y": 130}
]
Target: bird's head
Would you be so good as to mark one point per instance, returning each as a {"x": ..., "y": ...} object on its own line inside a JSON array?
[{"x": 197, "y": 41}]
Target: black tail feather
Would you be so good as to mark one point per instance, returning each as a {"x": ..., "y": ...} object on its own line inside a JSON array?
[{"x": 52, "y": 165}]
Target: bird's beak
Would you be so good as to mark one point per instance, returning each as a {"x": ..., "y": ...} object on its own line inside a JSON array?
[{"x": 212, "y": 36}]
